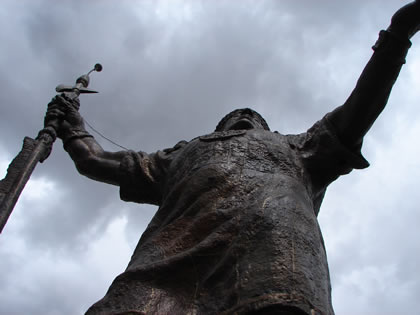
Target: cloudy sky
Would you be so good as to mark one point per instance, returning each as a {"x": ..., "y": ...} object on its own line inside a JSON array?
[{"x": 172, "y": 69}]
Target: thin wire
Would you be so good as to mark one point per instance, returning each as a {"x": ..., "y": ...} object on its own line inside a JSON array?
[{"x": 109, "y": 140}]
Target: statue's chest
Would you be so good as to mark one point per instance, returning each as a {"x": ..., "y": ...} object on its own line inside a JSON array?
[{"x": 239, "y": 151}]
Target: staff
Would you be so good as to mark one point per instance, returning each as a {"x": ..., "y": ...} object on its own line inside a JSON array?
[{"x": 34, "y": 151}]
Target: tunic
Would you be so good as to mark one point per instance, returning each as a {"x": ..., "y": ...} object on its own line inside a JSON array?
[{"x": 236, "y": 230}]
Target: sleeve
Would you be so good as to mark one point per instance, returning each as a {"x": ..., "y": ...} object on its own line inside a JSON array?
[
  {"x": 142, "y": 175},
  {"x": 324, "y": 156}
]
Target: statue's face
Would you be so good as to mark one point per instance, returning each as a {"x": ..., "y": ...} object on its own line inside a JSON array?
[{"x": 243, "y": 119}]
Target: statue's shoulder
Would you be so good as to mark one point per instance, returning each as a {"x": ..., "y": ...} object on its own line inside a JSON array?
[{"x": 177, "y": 146}]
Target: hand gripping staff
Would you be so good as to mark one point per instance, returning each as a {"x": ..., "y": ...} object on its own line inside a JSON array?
[{"x": 34, "y": 151}]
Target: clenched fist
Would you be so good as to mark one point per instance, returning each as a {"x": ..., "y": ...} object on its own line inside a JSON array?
[{"x": 63, "y": 115}]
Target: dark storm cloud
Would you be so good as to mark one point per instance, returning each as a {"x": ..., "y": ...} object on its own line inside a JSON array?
[{"x": 171, "y": 72}]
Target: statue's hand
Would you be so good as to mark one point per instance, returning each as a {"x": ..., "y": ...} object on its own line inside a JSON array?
[
  {"x": 63, "y": 115},
  {"x": 406, "y": 21}
]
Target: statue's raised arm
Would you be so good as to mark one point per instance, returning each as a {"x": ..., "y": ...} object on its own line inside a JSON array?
[
  {"x": 88, "y": 156},
  {"x": 353, "y": 119}
]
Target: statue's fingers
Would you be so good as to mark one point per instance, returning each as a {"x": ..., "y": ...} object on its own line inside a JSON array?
[
  {"x": 53, "y": 106},
  {"x": 69, "y": 103},
  {"x": 54, "y": 113},
  {"x": 53, "y": 103},
  {"x": 57, "y": 103}
]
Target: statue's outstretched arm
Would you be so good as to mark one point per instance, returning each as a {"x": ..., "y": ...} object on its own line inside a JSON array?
[
  {"x": 89, "y": 157},
  {"x": 353, "y": 119}
]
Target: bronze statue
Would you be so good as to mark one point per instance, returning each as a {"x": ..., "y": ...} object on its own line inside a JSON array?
[{"x": 236, "y": 231}]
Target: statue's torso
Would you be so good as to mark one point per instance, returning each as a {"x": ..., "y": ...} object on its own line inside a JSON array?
[
  {"x": 237, "y": 221},
  {"x": 236, "y": 230}
]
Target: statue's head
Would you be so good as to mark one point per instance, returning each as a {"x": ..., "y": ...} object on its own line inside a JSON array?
[{"x": 243, "y": 118}]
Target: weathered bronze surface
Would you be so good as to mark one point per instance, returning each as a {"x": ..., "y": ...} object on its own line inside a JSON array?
[{"x": 236, "y": 231}]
